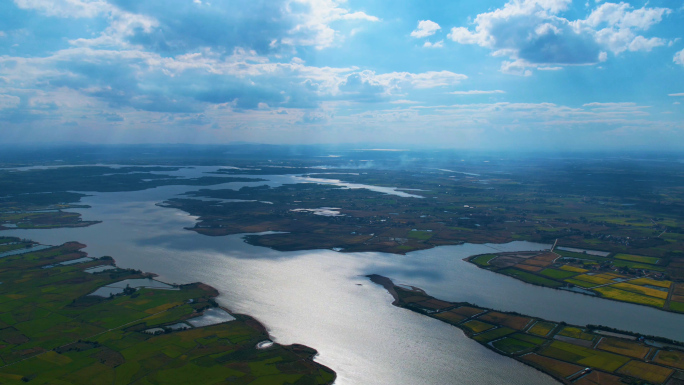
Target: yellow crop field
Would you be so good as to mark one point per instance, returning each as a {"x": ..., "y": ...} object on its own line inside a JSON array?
[
  {"x": 652, "y": 373},
  {"x": 641, "y": 290},
  {"x": 672, "y": 358},
  {"x": 624, "y": 347},
  {"x": 621, "y": 295},
  {"x": 593, "y": 279},
  {"x": 542, "y": 328},
  {"x": 573, "y": 332},
  {"x": 476, "y": 326},
  {"x": 580, "y": 355},
  {"x": 652, "y": 282},
  {"x": 573, "y": 269},
  {"x": 609, "y": 276}
]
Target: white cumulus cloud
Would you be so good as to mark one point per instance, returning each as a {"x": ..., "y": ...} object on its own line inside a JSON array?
[
  {"x": 438, "y": 44},
  {"x": 313, "y": 27},
  {"x": 533, "y": 33},
  {"x": 426, "y": 28},
  {"x": 679, "y": 58}
]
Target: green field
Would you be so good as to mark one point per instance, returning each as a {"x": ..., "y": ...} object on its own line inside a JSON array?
[
  {"x": 575, "y": 354},
  {"x": 636, "y": 265},
  {"x": 677, "y": 306},
  {"x": 493, "y": 334},
  {"x": 531, "y": 339},
  {"x": 483, "y": 260},
  {"x": 557, "y": 274},
  {"x": 6, "y": 247},
  {"x": 530, "y": 278},
  {"x": 512, "y": 345},
  {"x": 637, "y": 258},
  {"x": 4, "y": 240},
  {"x": 579, "y": 283},
  {"x": 420, "y": 235},
  {"x": 596, "y": 280}
]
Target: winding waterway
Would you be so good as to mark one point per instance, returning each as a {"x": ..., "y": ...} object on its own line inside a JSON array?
[{"x": 321, "y": 298}]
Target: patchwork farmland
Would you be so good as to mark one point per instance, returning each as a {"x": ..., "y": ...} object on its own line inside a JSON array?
[
  {"x": 620, "y": 277},
  {"x": 572, "y": 354}
]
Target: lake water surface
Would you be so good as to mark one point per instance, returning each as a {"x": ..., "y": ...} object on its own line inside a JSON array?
[{"x": 322, "y": 299}]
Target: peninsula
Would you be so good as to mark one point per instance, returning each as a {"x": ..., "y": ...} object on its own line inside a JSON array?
[
  {"x": 572, "y": 354},
  {"x": 67, "y": 318}
]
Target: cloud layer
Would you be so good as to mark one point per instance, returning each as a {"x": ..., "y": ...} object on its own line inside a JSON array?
[{"x": 331, "y": 70}]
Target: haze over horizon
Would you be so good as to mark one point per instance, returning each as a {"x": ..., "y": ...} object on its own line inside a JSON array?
[{"x": 496, "y": 74}]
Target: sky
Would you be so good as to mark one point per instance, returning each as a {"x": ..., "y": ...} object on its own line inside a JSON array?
[{"x": 517, "y": 74}]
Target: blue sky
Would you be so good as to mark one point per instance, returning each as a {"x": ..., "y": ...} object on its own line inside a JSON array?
[{"x": 522, "y": 74}]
